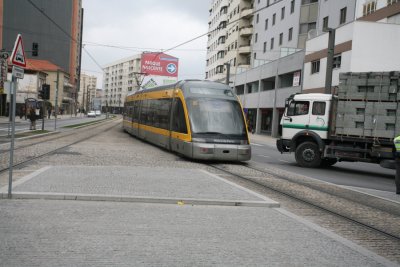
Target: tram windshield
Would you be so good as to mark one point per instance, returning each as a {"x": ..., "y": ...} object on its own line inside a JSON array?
[{"x": 215, "y": 116}]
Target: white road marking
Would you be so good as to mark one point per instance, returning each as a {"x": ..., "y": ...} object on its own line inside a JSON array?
[
  {"x": 264, "y": 156},
  {"x": 254, "y": 144},
  {"x": 284, "y": 160}
]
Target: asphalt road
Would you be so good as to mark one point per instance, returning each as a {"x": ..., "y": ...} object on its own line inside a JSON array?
[{"x": 356, "y": 174}]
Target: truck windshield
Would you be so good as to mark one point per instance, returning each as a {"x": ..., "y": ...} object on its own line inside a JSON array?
[
  {"x": 298, "y": 108},
  {"x": 215, "y": 116}
]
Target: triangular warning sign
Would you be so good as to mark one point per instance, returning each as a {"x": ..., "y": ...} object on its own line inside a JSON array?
[{"x": 18, "y": 53}]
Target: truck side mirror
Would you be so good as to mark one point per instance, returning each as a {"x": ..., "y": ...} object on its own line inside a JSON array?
[{"x": 286, "y": 103}]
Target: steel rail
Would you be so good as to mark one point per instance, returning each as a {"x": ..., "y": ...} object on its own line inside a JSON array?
[{"x": 392, "y": 236}]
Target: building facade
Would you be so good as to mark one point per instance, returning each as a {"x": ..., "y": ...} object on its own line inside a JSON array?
[
  {"x": 359, "y": 45},
  {"x": 119, "y": 78},
  {"x": 87, "y": 91},
  {"x": 42, "y": 38},
  {"x": 139, "y": 72},
  {"x": 289, "y": 50},
  {"x": 229, "y": 38}
]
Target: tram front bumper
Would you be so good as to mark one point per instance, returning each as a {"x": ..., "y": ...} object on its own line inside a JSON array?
[{"x": 221, "y": 152}]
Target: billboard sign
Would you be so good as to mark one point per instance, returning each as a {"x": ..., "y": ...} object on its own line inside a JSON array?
[{"x": 159, "y": 64}]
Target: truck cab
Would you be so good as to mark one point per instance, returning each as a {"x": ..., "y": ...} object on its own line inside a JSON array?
[
  {"x": 305, "y": 113},
  {"x": 305, "y": 126}
]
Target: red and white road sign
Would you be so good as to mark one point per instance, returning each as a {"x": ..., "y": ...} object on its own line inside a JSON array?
[{"x": 18, "y": 53}]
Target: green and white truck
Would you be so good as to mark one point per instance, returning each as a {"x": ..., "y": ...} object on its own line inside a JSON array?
[{"x": 356, "y": 124}]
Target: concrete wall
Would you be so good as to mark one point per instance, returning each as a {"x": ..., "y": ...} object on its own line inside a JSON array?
[{"x": 375, "y": 47}]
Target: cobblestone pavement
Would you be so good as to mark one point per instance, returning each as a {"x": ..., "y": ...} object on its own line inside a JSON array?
[{"x": 103, "y": 233}]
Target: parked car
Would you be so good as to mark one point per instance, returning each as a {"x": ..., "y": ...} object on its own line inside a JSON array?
[
  {"x": 98, "y": 113},
  {"x": 91, "y": 114}
]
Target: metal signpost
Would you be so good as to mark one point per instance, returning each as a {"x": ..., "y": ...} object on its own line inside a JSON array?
[{"x": 18, "y": 60}]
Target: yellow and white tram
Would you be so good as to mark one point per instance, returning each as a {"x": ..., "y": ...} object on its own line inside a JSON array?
[{"x": 198, "y": 119}]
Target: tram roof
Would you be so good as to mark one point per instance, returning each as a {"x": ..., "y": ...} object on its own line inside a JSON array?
[{"x": 183, "y": 84}]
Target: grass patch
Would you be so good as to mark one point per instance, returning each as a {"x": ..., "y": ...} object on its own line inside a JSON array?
[
  {"x": 30, "y": 133},
  {"x": 83, "y": 124}
]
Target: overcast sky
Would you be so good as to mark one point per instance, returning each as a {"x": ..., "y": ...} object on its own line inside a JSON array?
[{"x": 145, "y": 25}]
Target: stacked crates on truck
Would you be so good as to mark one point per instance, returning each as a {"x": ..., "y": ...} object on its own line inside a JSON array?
[{"x": 368, "y": 106}]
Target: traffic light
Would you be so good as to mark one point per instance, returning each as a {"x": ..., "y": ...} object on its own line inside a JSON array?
[
  {"x": 41, "y": 94},
  {"x": 35, "y": 49},
  {"x": 46, "y": 91}
]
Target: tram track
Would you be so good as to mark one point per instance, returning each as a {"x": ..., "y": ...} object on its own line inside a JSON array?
[
  {"x": 46, "y": 137},
  {"x": 372, "y": 226},
  {"x": 25, "y": 158}
]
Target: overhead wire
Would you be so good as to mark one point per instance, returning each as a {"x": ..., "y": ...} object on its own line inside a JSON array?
[{"x": 142, "y": 49}]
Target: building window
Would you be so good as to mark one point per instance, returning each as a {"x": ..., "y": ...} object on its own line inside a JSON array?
[
  {"x": 343, "y": 12},
  {"x": 391, "y": 2},
  {"x": 306, "y": 2},
  {"x": 257, "y": 18},
  {"x": 325, "y": 22},
  {"x": 291, "y": 6},
  {"x": 280, "y": 38},
  {"x": 282, "y": 13},
  {"x": 256, "y": 38},
  {"x": 290, "y": 34},
  {"x": 315, "y": 66},
  {"x": 337, "y": 61},
  {"x": 369, "y": 8},
  {"x": 306, "y": 27},
  {"x": 266, "y": 24},
  {"x": 254, "y": 55},
  {"x": 272, "y": 43},
  {"x": 273, "y": 18},
  {"x": 265, "y": 47}
]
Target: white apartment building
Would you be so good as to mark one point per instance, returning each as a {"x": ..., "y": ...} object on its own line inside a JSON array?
[
  {"x": 87, "y": 86},
  {"x": 230, "y": 31},
  {"x": 369, "y": 43},
  {"x": 119, "y": 78},
  {"x": 288, "y": 36}
]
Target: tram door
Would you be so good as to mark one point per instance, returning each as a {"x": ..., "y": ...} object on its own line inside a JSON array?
[{"x": 177, "y": 125}]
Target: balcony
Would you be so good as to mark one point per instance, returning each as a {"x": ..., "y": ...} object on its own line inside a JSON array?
[
  {"x": 246, "y": 31},
  {"x": 246, "y": 49},
  {"x": 247, "y": 13},
  {"x": 220, "y": 47}
]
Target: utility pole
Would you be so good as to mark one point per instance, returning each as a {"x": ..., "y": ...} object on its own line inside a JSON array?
[
  {"x": 56, "y": 100},
  {"x": 78, "y": 85},
  {"x": 228, "y": 72},
  {"x": 329, "y": 60}
]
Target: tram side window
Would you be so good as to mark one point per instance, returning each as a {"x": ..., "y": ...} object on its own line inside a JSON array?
[
  {"x": 144, "y": 112},
  {"x": 163, "y": 113},
  {"x": 135, "y": 112},
  {"x": 178, "y": 121}
]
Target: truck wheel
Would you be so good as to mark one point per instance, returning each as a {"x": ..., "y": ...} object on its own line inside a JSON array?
[
  {"x": 328, "y": 162},
  {"x": 308, "y": 155}
]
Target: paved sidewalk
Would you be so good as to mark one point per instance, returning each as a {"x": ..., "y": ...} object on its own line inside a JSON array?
[
  {"x": 141, "y": 216},
  {"x": 262, "y": 139}
]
